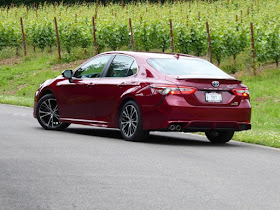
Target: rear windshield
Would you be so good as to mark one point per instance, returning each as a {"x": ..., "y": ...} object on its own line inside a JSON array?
[{"x": 186, "y": 66}]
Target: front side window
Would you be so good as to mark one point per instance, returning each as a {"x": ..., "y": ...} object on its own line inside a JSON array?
[
  {"x": 122, "y": 66},
  {"x": 93, "y": 68}
]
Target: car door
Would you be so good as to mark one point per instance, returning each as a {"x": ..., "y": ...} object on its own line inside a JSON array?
[
  {"x": 77, "y": 98},
  {"x": 119, "y": 77}
]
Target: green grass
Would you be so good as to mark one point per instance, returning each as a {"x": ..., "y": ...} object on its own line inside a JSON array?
[
  {"x": 19, "y": 80},
  {"x": 21, "y": 77},
  {"x": 265, "y": 100}
]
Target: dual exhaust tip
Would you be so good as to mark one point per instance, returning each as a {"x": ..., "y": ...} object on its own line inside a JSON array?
[{"x": 175, "y": 127}]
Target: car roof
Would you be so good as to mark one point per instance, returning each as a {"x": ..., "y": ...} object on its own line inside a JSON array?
[{"x": 149, "y": 54}]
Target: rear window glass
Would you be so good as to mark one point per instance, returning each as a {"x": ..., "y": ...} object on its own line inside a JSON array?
[{"x": 186, "y": 66}]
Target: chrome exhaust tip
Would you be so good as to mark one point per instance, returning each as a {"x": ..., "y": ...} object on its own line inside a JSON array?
[
  {"x": 172, "y": 127},
  {"x": 178, "y": 127}
]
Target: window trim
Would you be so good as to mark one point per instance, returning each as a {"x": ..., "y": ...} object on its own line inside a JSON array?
[
  {"x": 95, "y": 57},
  {"x": 107, "y": 67}
]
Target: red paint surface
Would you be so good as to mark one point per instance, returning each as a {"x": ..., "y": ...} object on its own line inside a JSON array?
[{"x": 97, "y": 101}]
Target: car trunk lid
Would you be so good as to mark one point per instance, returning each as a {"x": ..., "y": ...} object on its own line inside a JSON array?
[{"x": 211, "y": 91}]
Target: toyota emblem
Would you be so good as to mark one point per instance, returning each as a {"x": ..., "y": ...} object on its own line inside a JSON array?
[{"x": 215, "y": 84}]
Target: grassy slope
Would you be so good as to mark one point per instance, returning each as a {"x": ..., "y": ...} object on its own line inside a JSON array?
[
  {"x": 18, "y": 83},
  {"x": 265, "y": 99}
]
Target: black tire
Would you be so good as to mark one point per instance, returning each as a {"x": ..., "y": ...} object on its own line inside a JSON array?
[
  {"x": 130, "y": 123},
  {"x": 47, "y": 114},
  {"x": 219, "y": 137}
]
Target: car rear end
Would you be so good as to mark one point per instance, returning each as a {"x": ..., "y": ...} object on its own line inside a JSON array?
[{"x": 198, "y": 96}]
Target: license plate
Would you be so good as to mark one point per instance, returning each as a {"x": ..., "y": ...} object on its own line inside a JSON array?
[{"x": 213, "y": 97}]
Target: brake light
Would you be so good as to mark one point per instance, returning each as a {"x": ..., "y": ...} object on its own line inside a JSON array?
[
  {"x": 241, "y": 92},
  {"x": 172, "y": 89}
]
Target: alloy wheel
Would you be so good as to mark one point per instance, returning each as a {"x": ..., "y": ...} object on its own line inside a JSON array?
[
  {"x": 129, "y": 121},
  {"x": 48, "y": 113}
]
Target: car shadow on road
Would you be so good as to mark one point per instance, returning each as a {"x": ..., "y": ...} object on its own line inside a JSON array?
[{"x": 161, "y": 138}]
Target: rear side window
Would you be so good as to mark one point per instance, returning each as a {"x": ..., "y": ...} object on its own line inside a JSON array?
[
  {"x": 122, "y": 66},
  {"x": 185, "y": 66},
  {"x": 93, "y": 68}
]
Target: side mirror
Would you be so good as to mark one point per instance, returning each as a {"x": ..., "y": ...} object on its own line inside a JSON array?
[{"x": 68, "y": 74}]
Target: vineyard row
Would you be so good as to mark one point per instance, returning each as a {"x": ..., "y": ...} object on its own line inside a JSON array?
[{"x": 220, "y": 42}]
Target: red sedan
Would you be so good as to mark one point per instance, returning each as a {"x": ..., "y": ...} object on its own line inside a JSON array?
[{"x": 140, "y": 92}]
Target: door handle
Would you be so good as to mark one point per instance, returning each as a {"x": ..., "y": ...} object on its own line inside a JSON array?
[
  {"x": 127, "y": 84},
  {"x": 122, "y": 84},
  {"x": 90, "y": 85}
]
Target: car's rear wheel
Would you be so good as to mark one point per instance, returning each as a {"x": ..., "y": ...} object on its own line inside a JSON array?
[
  {"x": 130, "y": 122},
  {"x": 47, "y": 114},
  {"x": 219, "y": 137}
]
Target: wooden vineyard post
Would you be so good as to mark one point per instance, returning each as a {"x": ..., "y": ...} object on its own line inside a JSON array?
[
  {"x": 171, "y": 35},
  {"x": 209, "y": 42},
  {"x": 216, "y": 10},
  {"x": 236, "y": 19},
  {"x": 253, "y": 48},
  {"x": 122, "y": 4},
  {"x": 57, "y": 38},
  {"x": 36, "y": 9},
  {"x": 94, "y": 36},
  {"x": 131, "y": 35},
  {"x": 23, "y": 37},
  {"x": 96, "y": 10}
]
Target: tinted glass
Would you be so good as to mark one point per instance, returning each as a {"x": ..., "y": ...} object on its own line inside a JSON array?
[
  {"x": 133, "y": 69},
  {"x": 186, "y": 66},
  {"x": 122, "y": 66},
  {"x": 93, "y": 68}
]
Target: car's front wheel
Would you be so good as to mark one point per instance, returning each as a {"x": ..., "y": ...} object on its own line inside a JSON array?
[
  {"x": 130, "y": 122},
  {"x": 219, "y": 137},
  {"x": 47, "y": 114}
]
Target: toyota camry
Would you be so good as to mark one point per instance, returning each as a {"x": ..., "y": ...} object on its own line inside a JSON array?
[{"x": 140, "y": 92}]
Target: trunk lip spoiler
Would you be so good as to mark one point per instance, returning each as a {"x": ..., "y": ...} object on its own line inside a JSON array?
[{"x": 202, "y": 77}]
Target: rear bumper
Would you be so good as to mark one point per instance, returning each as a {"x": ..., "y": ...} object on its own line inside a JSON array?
[
  {"x": 196, "y": 126},
  {"x": 196, "y": 118}
]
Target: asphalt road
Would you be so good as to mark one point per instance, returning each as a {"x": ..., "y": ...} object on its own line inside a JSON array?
[{"x": 88, "y": 168}]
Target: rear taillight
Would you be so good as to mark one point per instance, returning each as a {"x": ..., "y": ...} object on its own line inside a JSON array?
[
  {"x": 241, "y": 92},
  {"x": 172, "y": 89}
]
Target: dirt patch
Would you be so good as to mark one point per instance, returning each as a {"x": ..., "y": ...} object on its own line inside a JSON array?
[
  {"x": 10, "y": 61},
  {"x": 262, "y": 99},
  {"x": 277, "y": 100},
  {"x": 241, "y": 74},
  {"x": 14, "y": 91},
  {"x": 249, "y": 72},
  {"x": 10, "y": 92},
  {"x": 64, "y": 66},
  {"x": 21, "y": 86}
]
